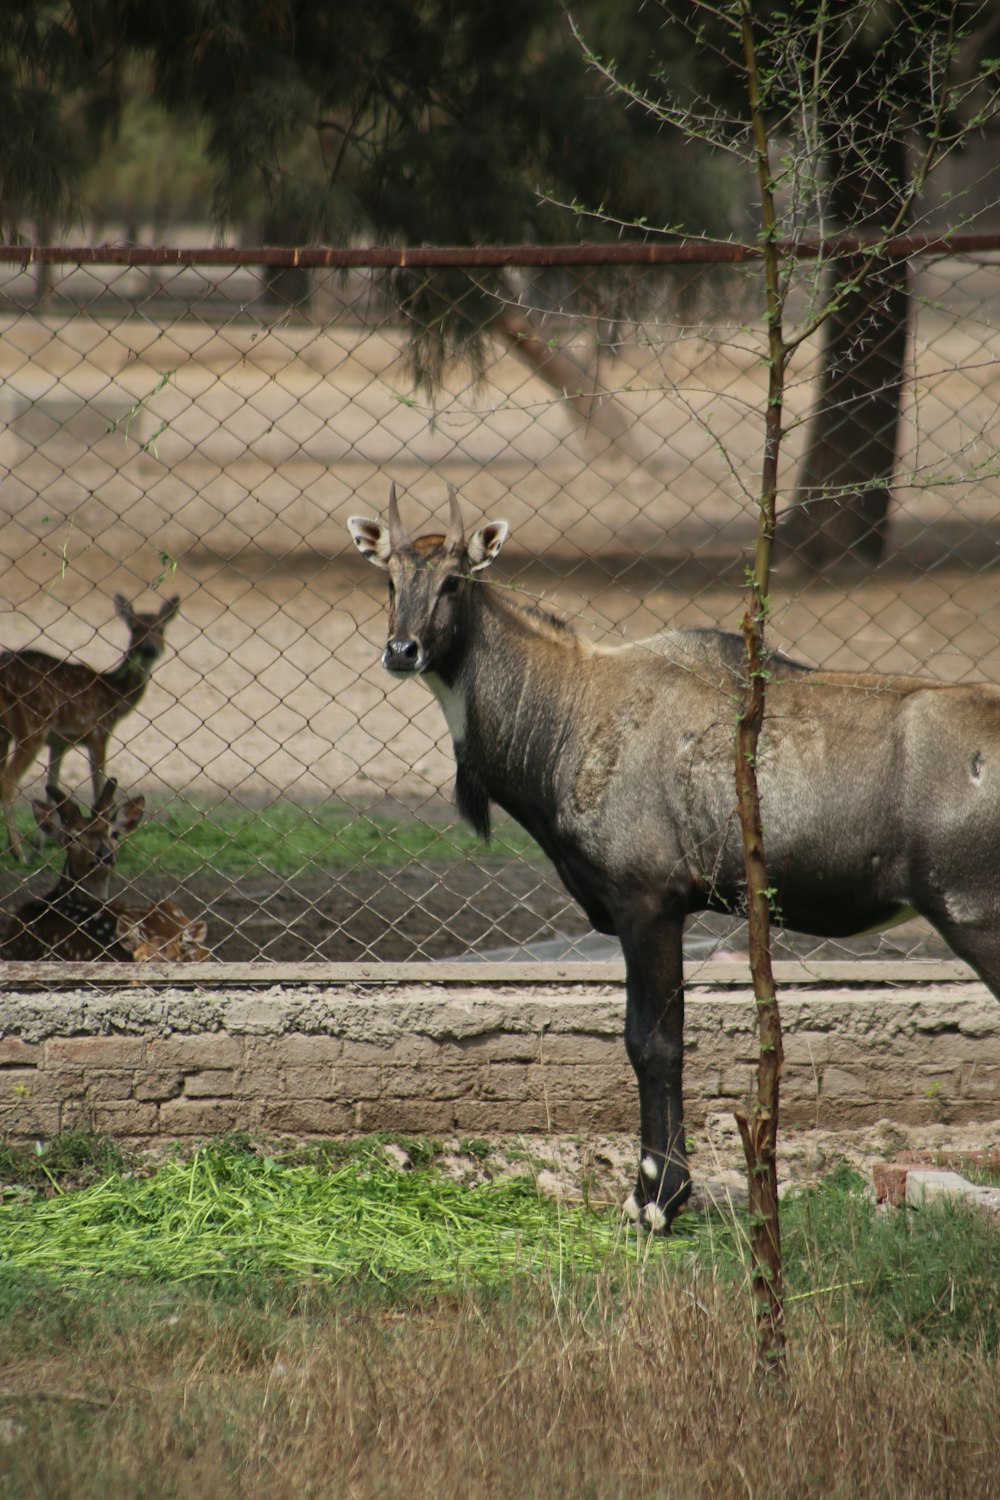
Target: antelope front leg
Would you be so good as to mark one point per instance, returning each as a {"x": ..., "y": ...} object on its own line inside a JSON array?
[{"x": 654, "y": 1040}]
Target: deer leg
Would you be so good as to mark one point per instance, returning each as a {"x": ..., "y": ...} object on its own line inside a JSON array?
[
  {"x": 654, "y": 1041},
  {"x": 57, "y": 749},
  {"x": 11, "y": 774},
  {"x": 97, "y": 751}
]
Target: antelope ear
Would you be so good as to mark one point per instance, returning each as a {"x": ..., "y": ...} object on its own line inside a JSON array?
[
  {"x": 170, "y": 608},
  {"x": 485, "y": 543},
  {"x": 371, "y": 539},
  {"x": 123, "y": 609}
]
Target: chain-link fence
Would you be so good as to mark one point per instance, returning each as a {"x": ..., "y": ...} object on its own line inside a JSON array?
[{"x": 203, "y": 430}]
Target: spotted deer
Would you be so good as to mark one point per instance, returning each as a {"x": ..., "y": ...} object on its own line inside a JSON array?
[
  {"x": 48, "y": 701},
  {"x": 75, "y": 921},
  {"x": 880, "y": 795}
]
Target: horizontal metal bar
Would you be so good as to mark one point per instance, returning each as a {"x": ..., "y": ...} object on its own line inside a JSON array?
[
  {"x": 709, "y": 975},
  {"x": 620, "y": 253}
]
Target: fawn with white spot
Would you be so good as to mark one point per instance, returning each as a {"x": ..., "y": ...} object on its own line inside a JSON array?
[
  {"x": 47, "y": 701},
  {"x": 75, "y": 921}
]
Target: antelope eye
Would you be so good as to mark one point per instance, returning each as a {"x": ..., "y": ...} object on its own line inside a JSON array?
[{"x": 451, "y": 583}]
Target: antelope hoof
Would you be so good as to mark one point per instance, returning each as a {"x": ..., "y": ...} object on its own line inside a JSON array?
[{"x": 658, "y": 1197}]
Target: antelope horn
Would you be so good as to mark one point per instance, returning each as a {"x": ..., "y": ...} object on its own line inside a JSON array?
[
  {"x": 455, "y": 540},
  {"x": 397, "y": 536}
]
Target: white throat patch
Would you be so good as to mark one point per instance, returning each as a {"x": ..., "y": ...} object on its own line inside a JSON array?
[{"x": 452, "y": 701}]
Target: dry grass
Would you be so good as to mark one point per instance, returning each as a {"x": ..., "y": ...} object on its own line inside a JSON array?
[
  {"x": 631, "y": 1378},
  {"x": 639, "y": 1387}
]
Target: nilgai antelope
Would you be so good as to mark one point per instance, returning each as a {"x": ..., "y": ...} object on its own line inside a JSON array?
[
  {"x": 75, "y": 921},
  {"x": 46, "y": 701},
  {"x": 880, "y": 795}
]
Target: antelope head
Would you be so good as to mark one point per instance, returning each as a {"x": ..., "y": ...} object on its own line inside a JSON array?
[{"x": 429, "y": 581}]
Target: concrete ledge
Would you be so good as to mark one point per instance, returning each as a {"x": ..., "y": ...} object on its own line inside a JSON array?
[{"x": 157, "y": 1063}]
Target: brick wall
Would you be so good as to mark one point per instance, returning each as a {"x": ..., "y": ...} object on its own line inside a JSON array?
[{"x": 332, "y": 1060}]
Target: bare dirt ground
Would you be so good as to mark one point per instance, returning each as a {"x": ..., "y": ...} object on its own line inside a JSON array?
[{"x": 602, "y": 1168}]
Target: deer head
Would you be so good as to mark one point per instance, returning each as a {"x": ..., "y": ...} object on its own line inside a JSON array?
[{"x": 90, "y": 841}]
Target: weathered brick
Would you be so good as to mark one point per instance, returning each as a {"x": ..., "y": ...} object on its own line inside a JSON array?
[
  {"x": 306, "y": 1116},
  {"x": 981, "y": 1082},
  {"x": 566, "y": 1085},
  {"x": 211, "y": 1083},
  {"x": 66, "y": 1083},
  {"x": 17, "y": 1053},
  {"x": 516, "y": 1080},
  {"x": 395, "y": 1049},
  {"x": 22, "y": 1120},
  {"x": 428, "y": 1083},
  {"x": 889, "y": 1179},
  {"x": 299, "y": 1051},
  {"x": 574, "y": 1050},
  {"x": 310, "y": 1081},
  {"x": 126, "y": 1117},
  {"x": 419, "y": 1115},
  {"x": 159, "y": 1085},
  {"x": 104, "y": 1083},
  {"x": 811, "y": 1048},
  {"x": 199, "y": 1116},
  {"x": 212, "y": 1050},
  {"x": 357, "y": 1081},
  {"x": 839, "y": 1081},
  {"x": 96, "y": 1051},
  {"x": 251, "y": 1083},
  {"x": 480, "y": 1115},
  {"x": 501, "y": 1046}
]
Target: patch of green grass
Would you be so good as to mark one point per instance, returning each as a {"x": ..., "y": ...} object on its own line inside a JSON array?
[
  {"x": 71, "y": 1159},
  {"x": 182, "y": 839},
  {"x": 925, "y": 1276}
]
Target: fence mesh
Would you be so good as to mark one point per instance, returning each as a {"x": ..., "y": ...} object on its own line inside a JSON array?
[{"x": 204, "y": 431}]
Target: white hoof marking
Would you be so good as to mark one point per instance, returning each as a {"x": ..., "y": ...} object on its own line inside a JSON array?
[{"x": 654, "y": 1216}]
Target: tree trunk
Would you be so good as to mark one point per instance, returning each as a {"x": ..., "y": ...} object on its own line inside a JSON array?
[{"x": 842, "y": 500}]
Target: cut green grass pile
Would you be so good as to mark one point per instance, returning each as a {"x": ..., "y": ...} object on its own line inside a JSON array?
[
  {"x": 285, "y": 840},
  {"x": 225, "y": 1213}
]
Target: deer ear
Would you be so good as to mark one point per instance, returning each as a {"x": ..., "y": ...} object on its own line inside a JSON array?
[
  {"x": 47, "y": 817},
  {"x": 129, "y": 815},
  {"x": 170, "y": 608},
  {"x": 485, "y": 543},
  {"x": 371, "y": 539},
  {"x": 123, "y": 608}
]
